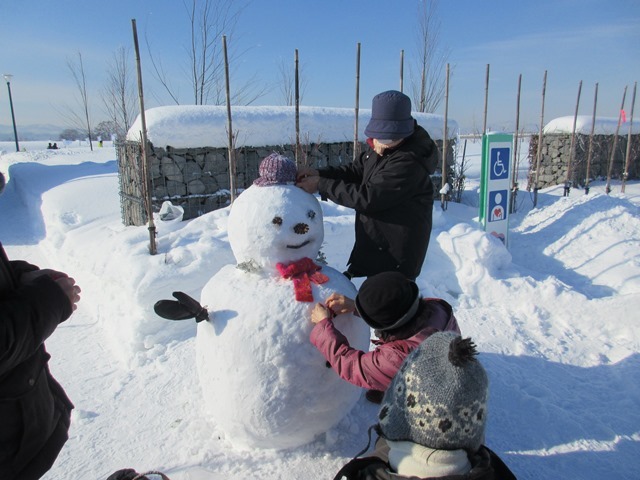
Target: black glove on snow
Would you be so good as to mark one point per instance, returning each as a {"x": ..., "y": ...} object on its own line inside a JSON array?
[{"x": 183, "y": 309}]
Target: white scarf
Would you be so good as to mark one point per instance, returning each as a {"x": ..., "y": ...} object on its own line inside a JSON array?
[{"x": 412, "y": 459}]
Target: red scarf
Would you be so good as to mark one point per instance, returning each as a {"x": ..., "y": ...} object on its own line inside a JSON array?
[{"x": 302, "y": 272}]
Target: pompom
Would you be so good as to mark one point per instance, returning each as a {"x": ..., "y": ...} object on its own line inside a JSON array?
[{"x": 462, "y": 351}]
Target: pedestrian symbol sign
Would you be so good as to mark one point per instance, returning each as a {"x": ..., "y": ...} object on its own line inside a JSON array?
[{"x": 494, "y": 184}]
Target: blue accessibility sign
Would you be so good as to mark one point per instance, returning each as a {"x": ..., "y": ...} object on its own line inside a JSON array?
[{"x": 499, "y": 168}]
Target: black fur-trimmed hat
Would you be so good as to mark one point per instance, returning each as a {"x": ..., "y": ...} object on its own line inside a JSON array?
[{"x": 387, "y": 301}]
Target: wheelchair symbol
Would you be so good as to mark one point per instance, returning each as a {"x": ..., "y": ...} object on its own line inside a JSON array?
[{"x": 498, "y": 167}]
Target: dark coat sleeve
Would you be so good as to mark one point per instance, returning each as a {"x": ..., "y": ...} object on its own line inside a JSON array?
[
  {"x": 28, "y": 316},
  {"x": 387, "y": 187}
]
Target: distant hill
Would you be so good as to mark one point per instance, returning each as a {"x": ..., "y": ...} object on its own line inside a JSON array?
[{"x": 31, "y": 132}]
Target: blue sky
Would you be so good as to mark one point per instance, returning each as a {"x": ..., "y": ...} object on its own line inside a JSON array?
[{"x": 574, "y": 40}]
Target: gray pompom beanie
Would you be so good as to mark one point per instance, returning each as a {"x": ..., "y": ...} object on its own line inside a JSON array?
[{"x": 438, "y": 398}]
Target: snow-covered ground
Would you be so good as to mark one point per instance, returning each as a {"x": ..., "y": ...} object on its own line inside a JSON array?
[{"x": 555, "y": 317}]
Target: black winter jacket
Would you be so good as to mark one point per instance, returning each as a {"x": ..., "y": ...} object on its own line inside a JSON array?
[
  {"x": 485, "y": 465},
  {"x": 393, "y": 196},
  {"x": 34, "y": 409}
]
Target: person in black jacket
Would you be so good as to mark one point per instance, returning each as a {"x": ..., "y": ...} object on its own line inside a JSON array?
[
  {"x": 389, "y": 187},
  {"x": 35, "y": 412}
]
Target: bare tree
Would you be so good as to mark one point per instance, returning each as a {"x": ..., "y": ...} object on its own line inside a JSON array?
[
  {"x": 427, "y": 80},
  {"x": 119, "y": 95},
  {"x": 287, "y": 85},
  {"x": 208, "y": 21},
  {"x": 80, "y": 118}
]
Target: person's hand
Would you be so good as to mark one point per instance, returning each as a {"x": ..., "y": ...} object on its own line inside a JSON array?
[
  {"x": 64, "y": 281},
  {"x": 309, "y": 184},
  {"x": 340, "y": 304},
  {"x": 70, "y": 288},
  {"x": 304, "y": 171},
  {"x": 319, "y": 313}
]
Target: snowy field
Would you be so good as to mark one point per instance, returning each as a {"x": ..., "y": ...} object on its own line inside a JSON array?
[{"x": 555, "y": 317}]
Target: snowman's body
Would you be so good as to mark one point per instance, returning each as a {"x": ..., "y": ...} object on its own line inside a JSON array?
[{"x": 264, "y": 383}]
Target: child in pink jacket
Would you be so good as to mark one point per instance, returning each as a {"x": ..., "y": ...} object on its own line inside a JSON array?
[{"x": 390, "y": 304}]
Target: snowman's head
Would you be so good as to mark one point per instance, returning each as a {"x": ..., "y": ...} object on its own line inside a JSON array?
[{"x": 275, "y": 223}]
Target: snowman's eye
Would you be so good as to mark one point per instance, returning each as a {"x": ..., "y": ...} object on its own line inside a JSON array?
[
  {"x": 311, "y": 214},
  {"x": 277, "y": 221}
]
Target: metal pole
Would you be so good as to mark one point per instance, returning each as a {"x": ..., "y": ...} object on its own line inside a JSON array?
[
  {"x": 232, "y": 152},
  {"x": 615, "y": 143},
  {"x": 625, "y": 175},
  {"x": 7, "y": 77},
  {"x": 143, "y": 135},
  {"x": 567, "y": 182},
  {"x": 540, "y": 138}
]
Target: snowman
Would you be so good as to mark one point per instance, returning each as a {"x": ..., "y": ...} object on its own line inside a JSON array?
[{"x": 263, "y": 381}]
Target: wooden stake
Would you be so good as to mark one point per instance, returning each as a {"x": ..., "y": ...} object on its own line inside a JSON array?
[
  {"x": 486, "y": 101},
  {"x": 443, "y": 195},
  {"x": 401, "y": 70},
  {"x": 540, "y": 138},
  {"x": 232, "y": 151},
  {"x": 567, "y": 182},
  {"x": 589, "y": 154},
  {"x": 143, "y": 138},
  {"x": 627, "y": 161},
  {"x": 516, "y": 162},
  {"x": 356, "y": 145},
  {"x": 297, "y": 103},
  {"x": 615, "y": 143}
]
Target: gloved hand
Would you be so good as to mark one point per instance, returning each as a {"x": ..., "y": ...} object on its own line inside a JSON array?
[{"x": 186, "y": 307}]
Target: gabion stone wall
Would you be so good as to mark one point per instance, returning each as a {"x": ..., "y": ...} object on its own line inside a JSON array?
[
  {"x": 554, "y": 162},
  {"x": 197, "y": 179}
]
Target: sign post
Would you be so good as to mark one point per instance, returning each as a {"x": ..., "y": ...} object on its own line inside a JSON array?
[{"x": 497, "y": 151}]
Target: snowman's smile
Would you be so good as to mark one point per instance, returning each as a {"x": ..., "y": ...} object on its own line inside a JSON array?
[{"x": 306, "y": 242}]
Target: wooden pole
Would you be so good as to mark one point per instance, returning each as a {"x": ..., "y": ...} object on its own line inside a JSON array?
[
  {"x": 516, "y": 162},
  {"x": 486, "y": 101},
  {"x": 232, "y": 151},
  {"x": 401, "y": 70},
  {"x": 567, "y": 181},
  {"x": 540, "y": 138},
  {"x": 146, "y": 185},
  {"x": 627, "y": 161},
  {"x": 443, "y": 194},
  {"x": 297, "y": 104},
  {"x": 615, "y": 143},
  {"x": 356, "y": 145},
  {"x": 590, "y": 153}
]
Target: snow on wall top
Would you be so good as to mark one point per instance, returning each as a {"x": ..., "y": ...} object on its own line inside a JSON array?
[
  {"x": 603, "y": 126},
  {"x": 193, "y": 126}
]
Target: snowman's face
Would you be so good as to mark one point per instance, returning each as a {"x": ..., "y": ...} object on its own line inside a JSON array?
[{"x": 275, "y": 224}]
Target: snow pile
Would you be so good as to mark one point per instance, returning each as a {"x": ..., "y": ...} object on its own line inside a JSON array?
[
  {"x": 584, "y": 124},
  {"x": 192, "y": 126}
]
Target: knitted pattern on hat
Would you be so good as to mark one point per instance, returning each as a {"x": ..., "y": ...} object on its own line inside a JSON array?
[
  {"x": 438, "y": 398},
  {"x": 276, "y": 169}
]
